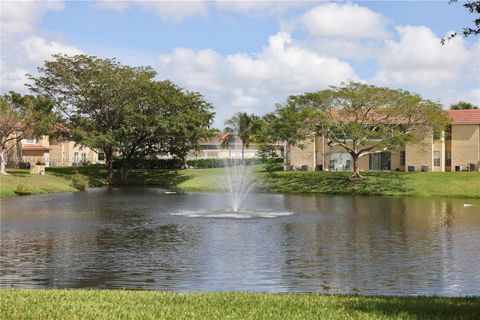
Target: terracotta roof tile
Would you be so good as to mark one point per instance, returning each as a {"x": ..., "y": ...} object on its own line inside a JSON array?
[{"x": 471, "y": 116}]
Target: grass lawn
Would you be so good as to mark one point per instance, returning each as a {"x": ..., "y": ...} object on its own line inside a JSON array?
[
  {"x": 423, "y": 184},
  {"x": 420, "y": 184},
  {"x": 119, "y": 304}
]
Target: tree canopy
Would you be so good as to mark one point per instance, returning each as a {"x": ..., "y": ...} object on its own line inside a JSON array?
[
  {"x": 462, "y": 105},
  {"x": 472, "y": 7},
  {"x": 116, "y": 108},
  {"x": 23, "y": 116},
  {"x": 243, "y": 126},
  {"x": 362, "y": 119}
]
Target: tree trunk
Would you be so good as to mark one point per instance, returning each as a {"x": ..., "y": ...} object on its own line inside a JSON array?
[
  {"x": 124, "y": 174},
  {"x": 109, "y": 162},
  {"x": 356, "y": 169},
  {"x": 243, "y": 153},
  {"x": 2, "y": 161},
  {"x": 19, "y": 153}
]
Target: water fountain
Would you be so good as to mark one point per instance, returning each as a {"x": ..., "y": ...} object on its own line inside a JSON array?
[{"x": 237, "y": 182}]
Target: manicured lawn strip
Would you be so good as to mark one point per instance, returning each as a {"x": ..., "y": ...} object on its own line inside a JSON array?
[
  {"x": 36, "y": 184},
  {"x": 421, "y": 184},
  {"x": 119, "y": 304}
]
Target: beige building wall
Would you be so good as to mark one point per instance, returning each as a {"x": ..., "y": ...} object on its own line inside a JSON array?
[
  {"x": 465, "y": 146},
  {"x": 419, "y": 155},
  {"x": 298, "y": 156},
  {"x": 67, "y": 153},
  {"x": 34, "y": 156}
]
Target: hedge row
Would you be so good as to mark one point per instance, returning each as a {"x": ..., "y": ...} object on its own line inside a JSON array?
[
  {"x": 153, "y": 163},
  {"x": 194, "y": 163}
]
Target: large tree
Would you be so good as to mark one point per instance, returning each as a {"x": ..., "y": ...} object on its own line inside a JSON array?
[
  {"x": 94, "y": 96},
  {"x": 163, "y": 120},
  {"x": 362, "y": 119},
  {"x": 243, "y": 126},
  {"x": 22, "y": 117}
]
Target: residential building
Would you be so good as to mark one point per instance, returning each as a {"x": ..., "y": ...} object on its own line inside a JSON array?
[
  {"x": 53, "y": 152},
  {"x": 456, "y": 149},
  {"x": 213, "y": 148}
]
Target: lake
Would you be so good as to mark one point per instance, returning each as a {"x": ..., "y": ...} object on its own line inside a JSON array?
[{"x": 150, "y": 238}]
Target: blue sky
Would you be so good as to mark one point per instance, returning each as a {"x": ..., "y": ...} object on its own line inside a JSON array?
[{"x": 247, "y": 56}]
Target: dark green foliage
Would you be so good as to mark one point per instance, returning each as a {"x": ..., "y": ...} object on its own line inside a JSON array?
[
  {"x": 462, "y": 105},
  {"x": 80, "y": 182},
  {"x": 150, "y": 163},
  {"x": 23, "y": 190},
  {"x": 219, "y": 163}
]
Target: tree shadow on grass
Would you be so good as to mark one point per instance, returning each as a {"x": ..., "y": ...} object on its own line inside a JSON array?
[
  {"x": 96, "y": 174},
  {"x": 19, "y": 172},
  {"x": 337, "y": 183},
  {"x": 160, "y": 178},
  {"x": 418, "y": 307}
]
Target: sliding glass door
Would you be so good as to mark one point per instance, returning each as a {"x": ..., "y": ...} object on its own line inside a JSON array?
[{"x": 379, "y": 161}]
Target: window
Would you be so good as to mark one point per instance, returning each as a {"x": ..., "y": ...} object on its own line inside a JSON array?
[
  {"x": 437, "y": 135},
  {"x": 402, "y": 158},
  {"x": 84, "y": 157},
  {"x": 31, "y": 141},
  {"x": 436, "y": 158},
  {"x": 101, "y": 156},
  {"x": 379, "y": 161},
  {"x": 448, "y": 158}
]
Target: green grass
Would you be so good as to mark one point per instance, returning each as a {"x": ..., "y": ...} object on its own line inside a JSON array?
[
  {"x": 35, "y": 183},
  {"x": 421, "y": 184},
  {"x": 119, "y": 304}
]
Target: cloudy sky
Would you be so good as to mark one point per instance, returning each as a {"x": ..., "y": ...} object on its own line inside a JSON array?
[{"x": 247, "y": 56}]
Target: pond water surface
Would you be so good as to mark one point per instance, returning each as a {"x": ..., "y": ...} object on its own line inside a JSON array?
[{"x": 151, "y": 239}]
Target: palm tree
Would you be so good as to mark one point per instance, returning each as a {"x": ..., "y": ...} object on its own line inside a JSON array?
[{"x": 243, "y": 126}]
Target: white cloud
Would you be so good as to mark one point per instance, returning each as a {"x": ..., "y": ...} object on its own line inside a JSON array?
[
  {"x": 36, "y": 49},
  {"x": 418, "y": 59},
  {"x": 254, "y": 82},
  {"x": 24, "y": 57},
  {"x": 342, "y": 21},
  {"x": 18, "y": 17},
  {"x": 169, "y": 11}
]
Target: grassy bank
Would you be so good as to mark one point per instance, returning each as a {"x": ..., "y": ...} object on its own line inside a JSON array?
[
  {"x": 109, "y": 304},
  {"x": 442, "y": 184}
]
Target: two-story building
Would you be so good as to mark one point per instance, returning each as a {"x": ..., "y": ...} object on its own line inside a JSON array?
[{"x": 456, "y": 149}]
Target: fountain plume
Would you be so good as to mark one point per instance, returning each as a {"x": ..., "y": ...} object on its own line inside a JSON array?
[{"x": 237, "y": 182}]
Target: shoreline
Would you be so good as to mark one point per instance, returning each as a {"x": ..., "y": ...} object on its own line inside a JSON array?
[{"x": 391, "y": 184}]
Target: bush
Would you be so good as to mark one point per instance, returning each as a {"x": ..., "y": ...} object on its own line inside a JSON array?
[
  {"x": 150, "y": 163},
  {"x": 24, "y": 165},
  {"x": 23, "y": 190},
  {"x": 80, "y": 182},
  {"x": 219, "y": 163}
]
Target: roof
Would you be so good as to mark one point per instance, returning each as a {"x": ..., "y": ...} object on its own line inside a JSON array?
[
  {"x": 34, "y": 147},
  {"x": 470, "y": 116}
]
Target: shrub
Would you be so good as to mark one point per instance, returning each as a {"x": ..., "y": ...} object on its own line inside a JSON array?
[
  {"x": 219, "y": 163},
  {"x": 80, "y": 182},
  {"x": 23, "y": 190},
  {"x": 24, "y": 165},
  {"x": 150, "y": 163},
  {"x": 40, "y": 162}
]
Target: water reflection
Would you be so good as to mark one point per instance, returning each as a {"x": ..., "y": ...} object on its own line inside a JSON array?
[{"x": 126, "y": 238}]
